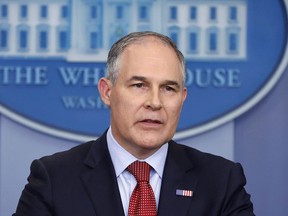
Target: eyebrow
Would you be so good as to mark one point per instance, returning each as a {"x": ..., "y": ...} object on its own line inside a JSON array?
[
  {"x": 140, "y": 78},
  {"x": 144, "y": 79}
]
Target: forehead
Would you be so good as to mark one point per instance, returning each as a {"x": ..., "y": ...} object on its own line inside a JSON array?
[
  {"x": 150, "y": 58},
  {"x": 149, "y": 49},
  {"x": 149, "y": 42}
]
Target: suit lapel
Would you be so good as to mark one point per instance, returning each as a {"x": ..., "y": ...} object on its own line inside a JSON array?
[
  {"x": 100, "y": 181},
  {"x": 178, "y": 174}
]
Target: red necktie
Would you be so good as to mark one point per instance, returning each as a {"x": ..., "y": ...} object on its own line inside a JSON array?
[{"x": 142, "y": 201}]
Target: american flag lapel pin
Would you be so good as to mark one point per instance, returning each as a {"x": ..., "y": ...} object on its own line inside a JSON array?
[{"x": 186, "y": 193}]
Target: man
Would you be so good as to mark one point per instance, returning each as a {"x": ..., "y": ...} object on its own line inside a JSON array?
[{"x": 145, "y": 90}]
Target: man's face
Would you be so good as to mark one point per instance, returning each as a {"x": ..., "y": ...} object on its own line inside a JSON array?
[{"x": 146, "y": 99}]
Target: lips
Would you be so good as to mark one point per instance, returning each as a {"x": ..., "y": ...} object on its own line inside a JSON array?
[{"x": 151, "y": 121}]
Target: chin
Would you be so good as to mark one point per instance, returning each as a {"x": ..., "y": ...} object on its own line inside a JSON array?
[{"x": 152, "y": 143}]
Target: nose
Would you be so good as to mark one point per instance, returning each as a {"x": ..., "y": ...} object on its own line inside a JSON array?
[{"x": 153, "y": 100}]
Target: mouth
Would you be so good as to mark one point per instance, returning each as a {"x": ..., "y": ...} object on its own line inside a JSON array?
[{"x": 151, "y": 122}]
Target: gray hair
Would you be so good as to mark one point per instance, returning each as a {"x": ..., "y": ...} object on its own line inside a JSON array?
[{"x": 113, "y": 61}]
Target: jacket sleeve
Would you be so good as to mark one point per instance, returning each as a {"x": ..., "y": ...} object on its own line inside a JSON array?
[
  {"x": 237, "y": 200},
  {"x": 36, "y": 198}
]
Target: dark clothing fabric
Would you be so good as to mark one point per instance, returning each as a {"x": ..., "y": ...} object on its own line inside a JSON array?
[{"x": 82, "y": 181}]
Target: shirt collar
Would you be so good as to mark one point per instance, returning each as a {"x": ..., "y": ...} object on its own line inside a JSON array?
[{"x": 122, "y": 158}]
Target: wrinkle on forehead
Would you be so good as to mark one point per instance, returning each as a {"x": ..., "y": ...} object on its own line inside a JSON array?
[{"x": 150, "y": 54}]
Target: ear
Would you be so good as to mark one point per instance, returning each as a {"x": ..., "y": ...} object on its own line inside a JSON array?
[
  {"x": 104, "y": 88},
  {"x": 185, "y": 92}
]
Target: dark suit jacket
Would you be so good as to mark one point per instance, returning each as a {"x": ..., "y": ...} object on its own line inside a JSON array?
[{"x": 82, "y": 181}]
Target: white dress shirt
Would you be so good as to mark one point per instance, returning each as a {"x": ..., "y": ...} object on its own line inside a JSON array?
[{"x": 126, "y": 181}]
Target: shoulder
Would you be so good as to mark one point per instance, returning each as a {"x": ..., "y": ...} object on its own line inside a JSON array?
[
  {"x": 78, "y": 157},
  {"x": 63, "y": 163},
  {"x": 73, "y": 154},
  {"x": 217, "y": 180},
  {"x": 199, "y": 158},
  {"x": 79, "y": 152},
  {"x": 207, "y": 166}
]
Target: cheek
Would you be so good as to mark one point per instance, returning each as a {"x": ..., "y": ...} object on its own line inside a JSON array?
[
  {"x": 123, "y": 103},
  {"x": 174, "y": 106},
  {"x": 174, "y": 111}
]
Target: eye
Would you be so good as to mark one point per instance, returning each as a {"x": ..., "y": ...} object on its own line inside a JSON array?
[
  {"x": 138, "y": 85},
  {"x": 169, "y": 88}
]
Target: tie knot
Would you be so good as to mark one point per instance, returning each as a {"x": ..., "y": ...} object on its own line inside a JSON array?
[{"x": 140, "y": 170}]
